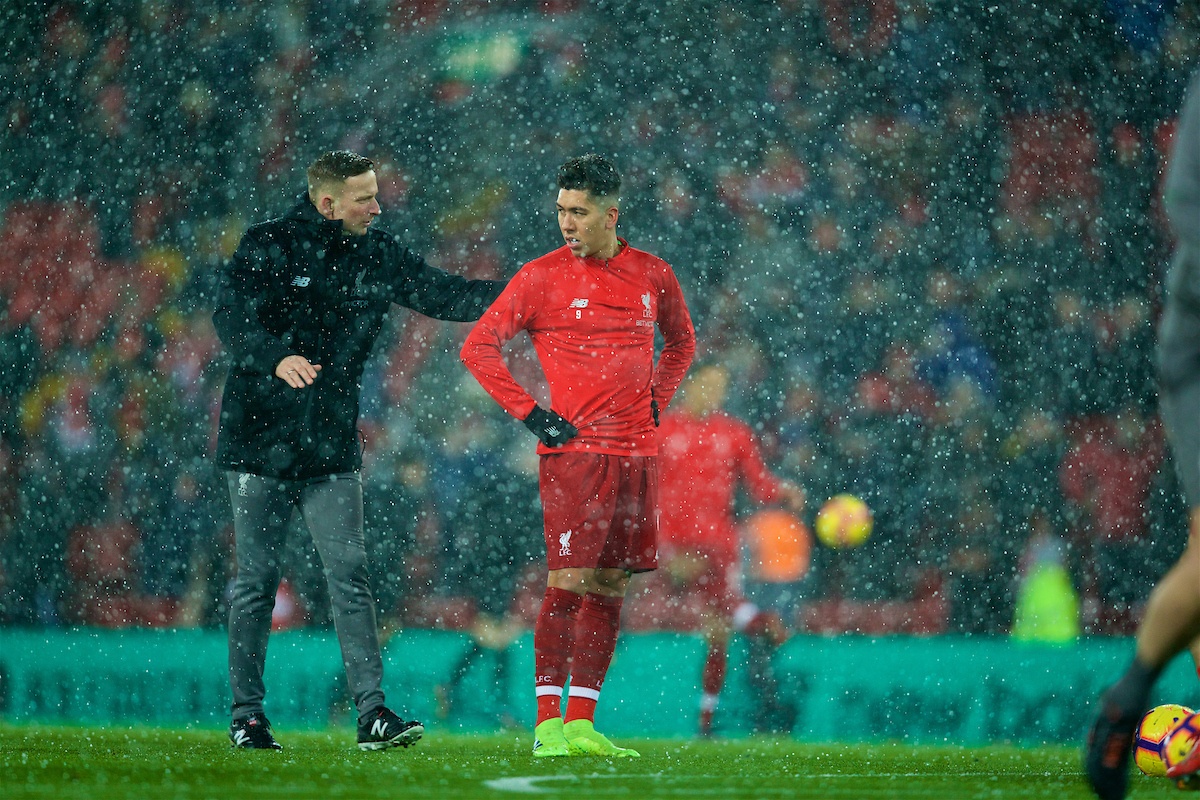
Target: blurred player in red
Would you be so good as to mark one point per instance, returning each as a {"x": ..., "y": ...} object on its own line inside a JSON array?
[
  {"x": 591, "y": 309},
  {"x": 705, "y": 454}
]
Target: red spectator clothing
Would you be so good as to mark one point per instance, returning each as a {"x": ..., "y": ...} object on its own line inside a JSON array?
[
  {"x": 882, "y": 394},
  {"x": 700, "y": 463},
  {"x": 1053, "y": 156},
  {"x": 592, "y": 324},
  {"x": 1112, "y": 481}
]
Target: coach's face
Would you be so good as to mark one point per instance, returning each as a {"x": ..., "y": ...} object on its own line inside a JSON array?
[
  {"x": 354, "y": 201},
  {"x": 588, "y": 224}
]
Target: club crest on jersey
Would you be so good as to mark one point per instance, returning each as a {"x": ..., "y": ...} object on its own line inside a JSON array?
[
  {"x": 646, "y": 311},
  {"x": 579, "y": 303},
  {"x": 564, "y": 544}
]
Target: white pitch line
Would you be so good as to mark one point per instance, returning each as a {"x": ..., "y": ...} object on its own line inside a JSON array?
[
  {"x": 525, "y": 785},
  {"x": 528, "y": 784}
]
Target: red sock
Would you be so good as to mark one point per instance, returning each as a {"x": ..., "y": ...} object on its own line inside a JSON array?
[
  {"x": 595, "y": 641},
  {"x": 553, "y": 638},
  {"x": 712, "y": 679}
]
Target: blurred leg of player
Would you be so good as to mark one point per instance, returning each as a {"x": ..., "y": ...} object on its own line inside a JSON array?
[
  {"x": 730, "y": 611},
  {"x": 1171, "y": 622},
  {"x": 712, "y": 678}
]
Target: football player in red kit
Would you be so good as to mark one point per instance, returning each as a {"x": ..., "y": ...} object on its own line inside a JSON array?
[
  {"x": 705, "y": 455},
  {"x": 591, "y": 309}
]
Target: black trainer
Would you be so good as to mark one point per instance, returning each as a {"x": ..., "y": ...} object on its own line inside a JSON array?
[
  {"x": 253, "y": 733},
  {"x": 1109, "y": 746},
  {"x": 383, "y": 729}
]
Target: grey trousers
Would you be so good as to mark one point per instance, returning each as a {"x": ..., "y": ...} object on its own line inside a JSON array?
[
  {"x": 1178, "y": 362},
  {"x": 332, "y": 510}
]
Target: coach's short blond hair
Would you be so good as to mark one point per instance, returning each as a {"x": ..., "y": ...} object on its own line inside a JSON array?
[{"x": 335, "y": 167}]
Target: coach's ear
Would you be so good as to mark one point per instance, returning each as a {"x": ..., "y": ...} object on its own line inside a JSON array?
[{"x": 323, "y": 200}]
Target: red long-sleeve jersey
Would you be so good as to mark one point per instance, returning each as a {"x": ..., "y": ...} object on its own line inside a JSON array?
[
  {"x": 592, "y": 323},
  {"x": 701, "y": 461}
]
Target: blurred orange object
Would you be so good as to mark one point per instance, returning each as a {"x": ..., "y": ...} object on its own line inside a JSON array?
[{"x": 780, "y": 546}]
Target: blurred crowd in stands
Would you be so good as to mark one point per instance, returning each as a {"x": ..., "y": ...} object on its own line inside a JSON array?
[{"x": 924, "y": 236}]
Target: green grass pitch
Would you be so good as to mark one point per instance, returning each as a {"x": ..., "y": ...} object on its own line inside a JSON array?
[{"x": 96, "y": 763}]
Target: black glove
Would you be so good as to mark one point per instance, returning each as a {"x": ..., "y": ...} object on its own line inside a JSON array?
[
  {"x": 654, "y": 411},
  {"x": 552, "y": 429}
]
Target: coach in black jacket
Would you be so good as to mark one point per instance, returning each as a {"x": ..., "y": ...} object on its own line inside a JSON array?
[{"x": 302, "y": 302}]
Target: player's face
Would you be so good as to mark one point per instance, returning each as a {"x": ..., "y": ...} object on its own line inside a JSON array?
[
  {"x": 587, "y": 227},
  {"x": 355, "y": 203}
]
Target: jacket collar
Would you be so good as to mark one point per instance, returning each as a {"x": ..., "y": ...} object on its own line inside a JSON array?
[{"x": 304, "y": 211}]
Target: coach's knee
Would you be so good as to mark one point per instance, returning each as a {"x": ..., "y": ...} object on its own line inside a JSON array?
[
  {"x": 255, "y": 590},
  {"x": 350, "y": 569}
]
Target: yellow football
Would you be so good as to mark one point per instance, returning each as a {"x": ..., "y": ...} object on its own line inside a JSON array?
[
  {"x": 1155, "y": 725},
  {"x": 844, "y": 521}
]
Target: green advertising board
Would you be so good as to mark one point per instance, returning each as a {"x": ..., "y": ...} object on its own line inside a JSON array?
[{"x": 848, "y": 688}]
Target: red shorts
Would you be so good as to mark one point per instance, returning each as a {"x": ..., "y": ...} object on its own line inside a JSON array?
[{"x": 600, "y": 511}]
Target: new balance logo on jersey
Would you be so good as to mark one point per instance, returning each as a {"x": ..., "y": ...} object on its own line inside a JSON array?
[
  {"x": 564, "y": 544},
  {"x": 301, "y": 281},
  {"x": 579, "y": 303}
]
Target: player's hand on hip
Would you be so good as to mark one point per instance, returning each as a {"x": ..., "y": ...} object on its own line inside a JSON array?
[
  {"x": 552, "y": 429},
  {"x": 296, "y": 371}
]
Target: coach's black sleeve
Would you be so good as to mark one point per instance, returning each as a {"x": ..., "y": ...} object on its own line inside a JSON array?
[{"x": 416, "y": 284}]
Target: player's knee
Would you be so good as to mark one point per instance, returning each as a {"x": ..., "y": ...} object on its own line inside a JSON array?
[
  {"x": 1194, "y": 528},
  {"x": 609, "y": 581},
  {"x": 570, "y": 580}
]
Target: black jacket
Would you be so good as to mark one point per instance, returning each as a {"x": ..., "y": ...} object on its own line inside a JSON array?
[{"x": 298, "y": 285}]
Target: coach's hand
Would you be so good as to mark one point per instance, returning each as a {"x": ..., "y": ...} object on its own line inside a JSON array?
[
  {"x": 552, "y": 429},
  {"x": 297, "y": 371}
]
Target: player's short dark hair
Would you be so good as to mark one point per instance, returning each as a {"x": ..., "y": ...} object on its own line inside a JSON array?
[
  {"x": 592, "y": 173},
  {"x": 335, "y": 167}
]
